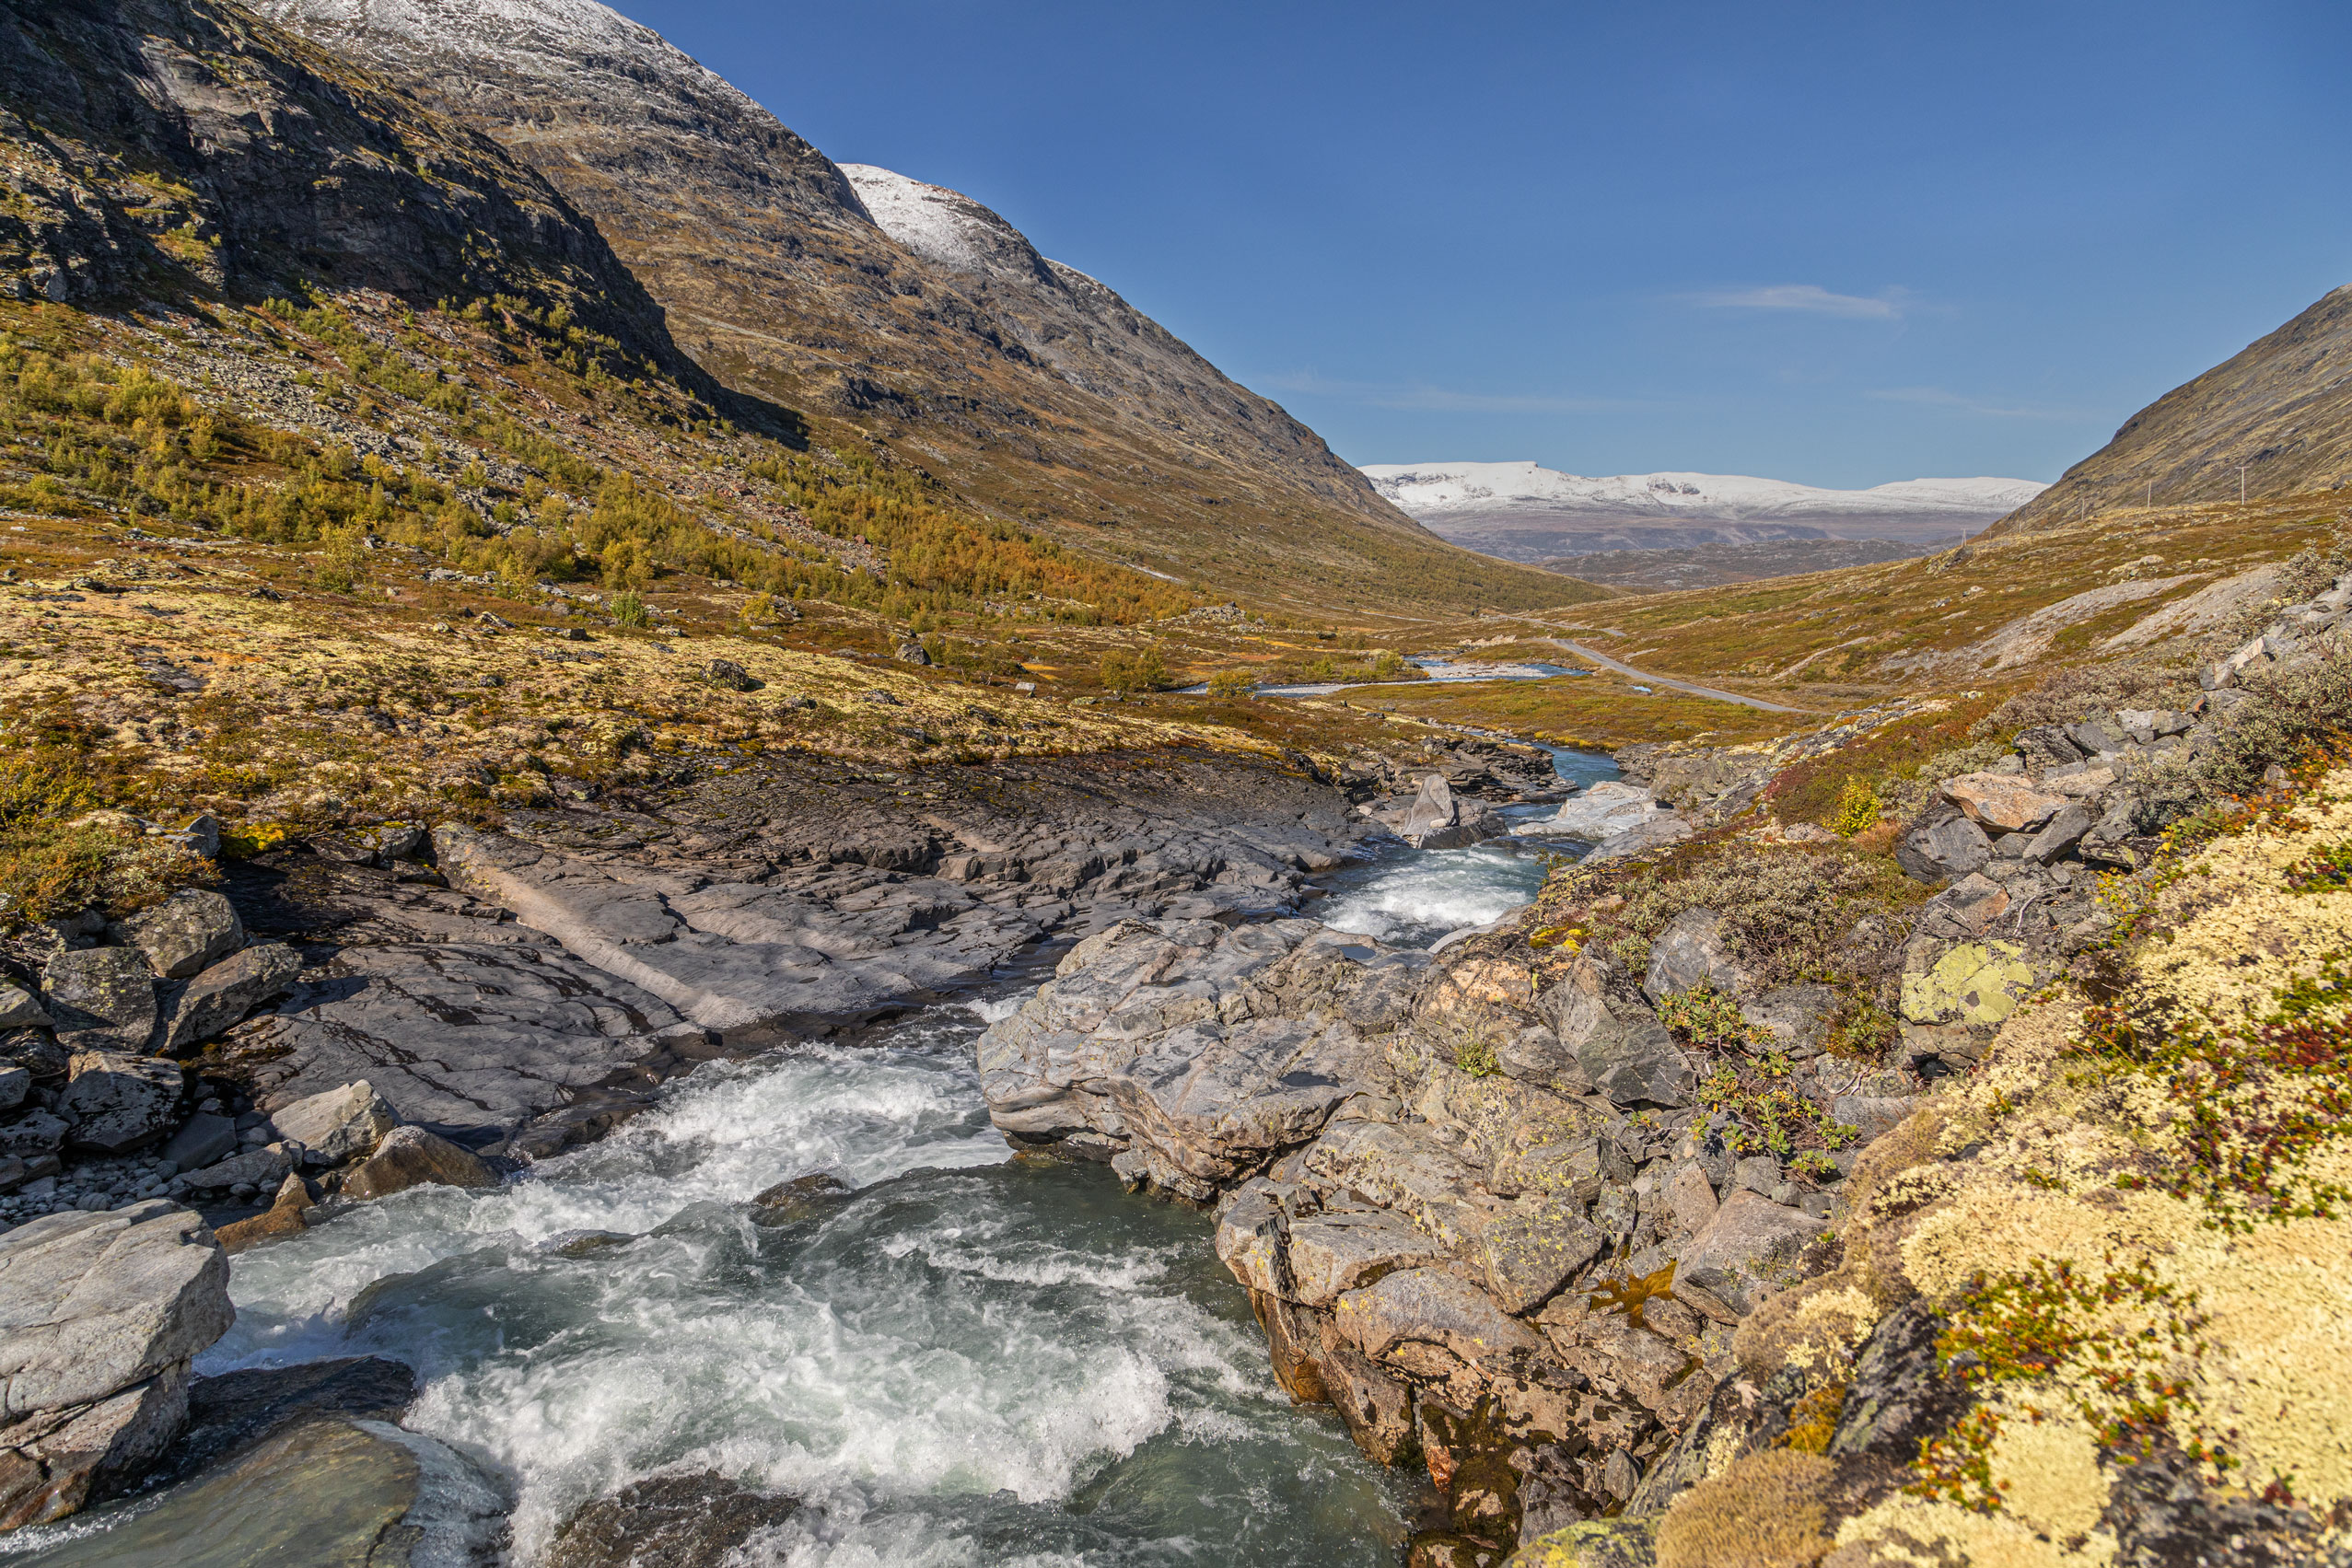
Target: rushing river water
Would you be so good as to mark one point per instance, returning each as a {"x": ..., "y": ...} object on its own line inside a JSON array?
[{"x": 971, "y": 1359}]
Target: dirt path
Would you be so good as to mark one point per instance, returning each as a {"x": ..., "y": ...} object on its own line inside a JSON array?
[{"x": 1605, "y": 662}]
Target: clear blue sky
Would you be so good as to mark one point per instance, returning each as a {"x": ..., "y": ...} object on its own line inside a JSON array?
[{"x": 1837, "y": 243}]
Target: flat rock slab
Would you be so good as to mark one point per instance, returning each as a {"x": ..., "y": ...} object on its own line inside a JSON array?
[
  {"x": 737, "y": 956},
  {"x": 332, "y": 1491},
  {"x": 470, "y": 1039}
]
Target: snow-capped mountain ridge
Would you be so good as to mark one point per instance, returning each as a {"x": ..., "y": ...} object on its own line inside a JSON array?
[{"x": 1424, "y": 489}]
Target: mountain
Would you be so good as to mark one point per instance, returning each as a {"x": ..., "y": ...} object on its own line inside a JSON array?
[
  {"x": 153, "y": 145},
  {"x": 931, "y": 327},
  {"x": 2281, "y": 409},
  {"x": 1523, "y": 511}
]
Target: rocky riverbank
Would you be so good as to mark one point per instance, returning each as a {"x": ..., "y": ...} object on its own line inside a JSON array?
[{"x": 1592, "y": 1211}]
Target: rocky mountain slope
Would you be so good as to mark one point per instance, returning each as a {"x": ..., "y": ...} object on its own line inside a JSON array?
[
  {"x": 1026, "y": 385},
  {"x": 2280, "y": 410},
  {"x": 1524, "y": 512}
]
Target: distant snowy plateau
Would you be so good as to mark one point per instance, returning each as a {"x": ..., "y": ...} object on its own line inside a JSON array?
[{"x": 1524, "y": 512}]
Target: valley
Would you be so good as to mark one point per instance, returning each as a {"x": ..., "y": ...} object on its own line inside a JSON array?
[{"x": 701, "y": 866}]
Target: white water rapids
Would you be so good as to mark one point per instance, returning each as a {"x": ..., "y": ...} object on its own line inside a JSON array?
[{"x": 972, "y": 1360}]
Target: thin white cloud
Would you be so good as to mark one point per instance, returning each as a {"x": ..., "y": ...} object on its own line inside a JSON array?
[
  {"x": 1421, "y": 396},
  {"x": 1807, "y": 298},
  {"x": 1936, "y": 397}
]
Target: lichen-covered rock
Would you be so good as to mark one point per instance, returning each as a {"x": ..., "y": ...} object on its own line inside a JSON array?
[
  {"x": 121, "y": 1102},
  {"x": 20, "y": 1008},
  {"x": 411, "y": 1157},
  {"x": 1338, "y": 1250},
  {"x": 227, "y": 990},
  {"x": 102, "y": 998},
  {"x": 190, "y": 931},
  {"x": 1534, "y": 1250},
  {"x": 1621, "y": 1049},
  {"x": 1749, "y": 1240},
  {"x": 1977, "y": 983}
]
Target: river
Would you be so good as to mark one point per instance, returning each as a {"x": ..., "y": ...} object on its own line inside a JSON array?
[{"x": 972, "y": 1359}]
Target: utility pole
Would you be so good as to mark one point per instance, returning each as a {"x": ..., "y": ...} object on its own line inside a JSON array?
[{"x": 2151, "y": 494}]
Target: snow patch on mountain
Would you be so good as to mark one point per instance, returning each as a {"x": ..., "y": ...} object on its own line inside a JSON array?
[
  {"x": 1423, "y": 489},
  {"x": 941, "y": 225}
]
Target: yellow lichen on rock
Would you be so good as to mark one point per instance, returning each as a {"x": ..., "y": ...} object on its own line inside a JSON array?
[{"x": 1905, "y": 1532}]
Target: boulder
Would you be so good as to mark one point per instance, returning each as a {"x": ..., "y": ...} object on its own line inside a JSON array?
[
  {"x": 20, "y": 1009},
  {"x": 286, "y": 1215},
  {"x": 2059, "y": 839},
  {"x": 1432, "y": 1307},
  {"x": 730, "y": 675},
  {"x": 1752, "y": 1238},
  {"x": 1534, "y": 1250},
  {"x": 2047, "y": 746},
  {"x": 15, "y": 1083},
  {"x": 93, "y": 1304},
  {"x": 1942, "y": 845},
  {"x": 2007, "y": 803},
  {"x": 184, "y": 935},
  {"x": 1964, "y": 910},
  {"x": 1872, "y": 1115},
  {"x": 1691, "y": 951},
  {"x": 1690, "y": 1196},
  {"x": 262, "y": 1168},
  {"x": 227, "y": 990},
  {"x": 410, "y": 1156},
  {"x": 201, "y": 1140},
  {"x": 56, "y": 1462},
  {"x": 336, "y": 1125},
  {"x": 1621, "y": 1048},
  {"x": 36, "y": 1051},
  {"x": 120, "y": 1102},
  {"x": 1667, "y": 827},
  {"x": 682, "y": 1518},
  {"x": 33, "y": 1134},
  {"x": 1340, "y": 1250},
  {"x": 103, "y": 998},
  {"x": 1796, "y": 1017}
]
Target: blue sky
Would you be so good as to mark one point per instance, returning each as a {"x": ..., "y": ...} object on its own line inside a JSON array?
[{"x": 1835, "y": 243}]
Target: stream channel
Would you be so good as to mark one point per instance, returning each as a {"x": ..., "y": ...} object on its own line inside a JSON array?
[{"x": 972, "y": 1360}]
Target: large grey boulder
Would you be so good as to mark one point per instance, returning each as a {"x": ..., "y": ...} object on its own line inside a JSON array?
[
  {"x": 120, "y": 1102},
  {"x": 1750, "y": 1242},
  {"x": 1621, "y": 1049},
  {"x": 1941, "y": 845},
  {"x": 1344, "y": 1250},
  {"x": 92, "y": 1305},
  {"x": 190, "y": 931},
  {"x": 336, "y": 1125},
  {"x": 103, "y": 998},
  {"x": 201, "y": 1140},
  {"x": 229, "y": 990},
  {"x": 1796, "y": 1017},
  {"x": 263, "y": 1169},
  {"x": 1691, "y": 951}
]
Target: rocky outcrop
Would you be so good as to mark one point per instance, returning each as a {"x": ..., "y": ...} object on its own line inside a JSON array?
[
  {"x": 99, "y": 1316},
  {"x": 1474, "y": 1203}
]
